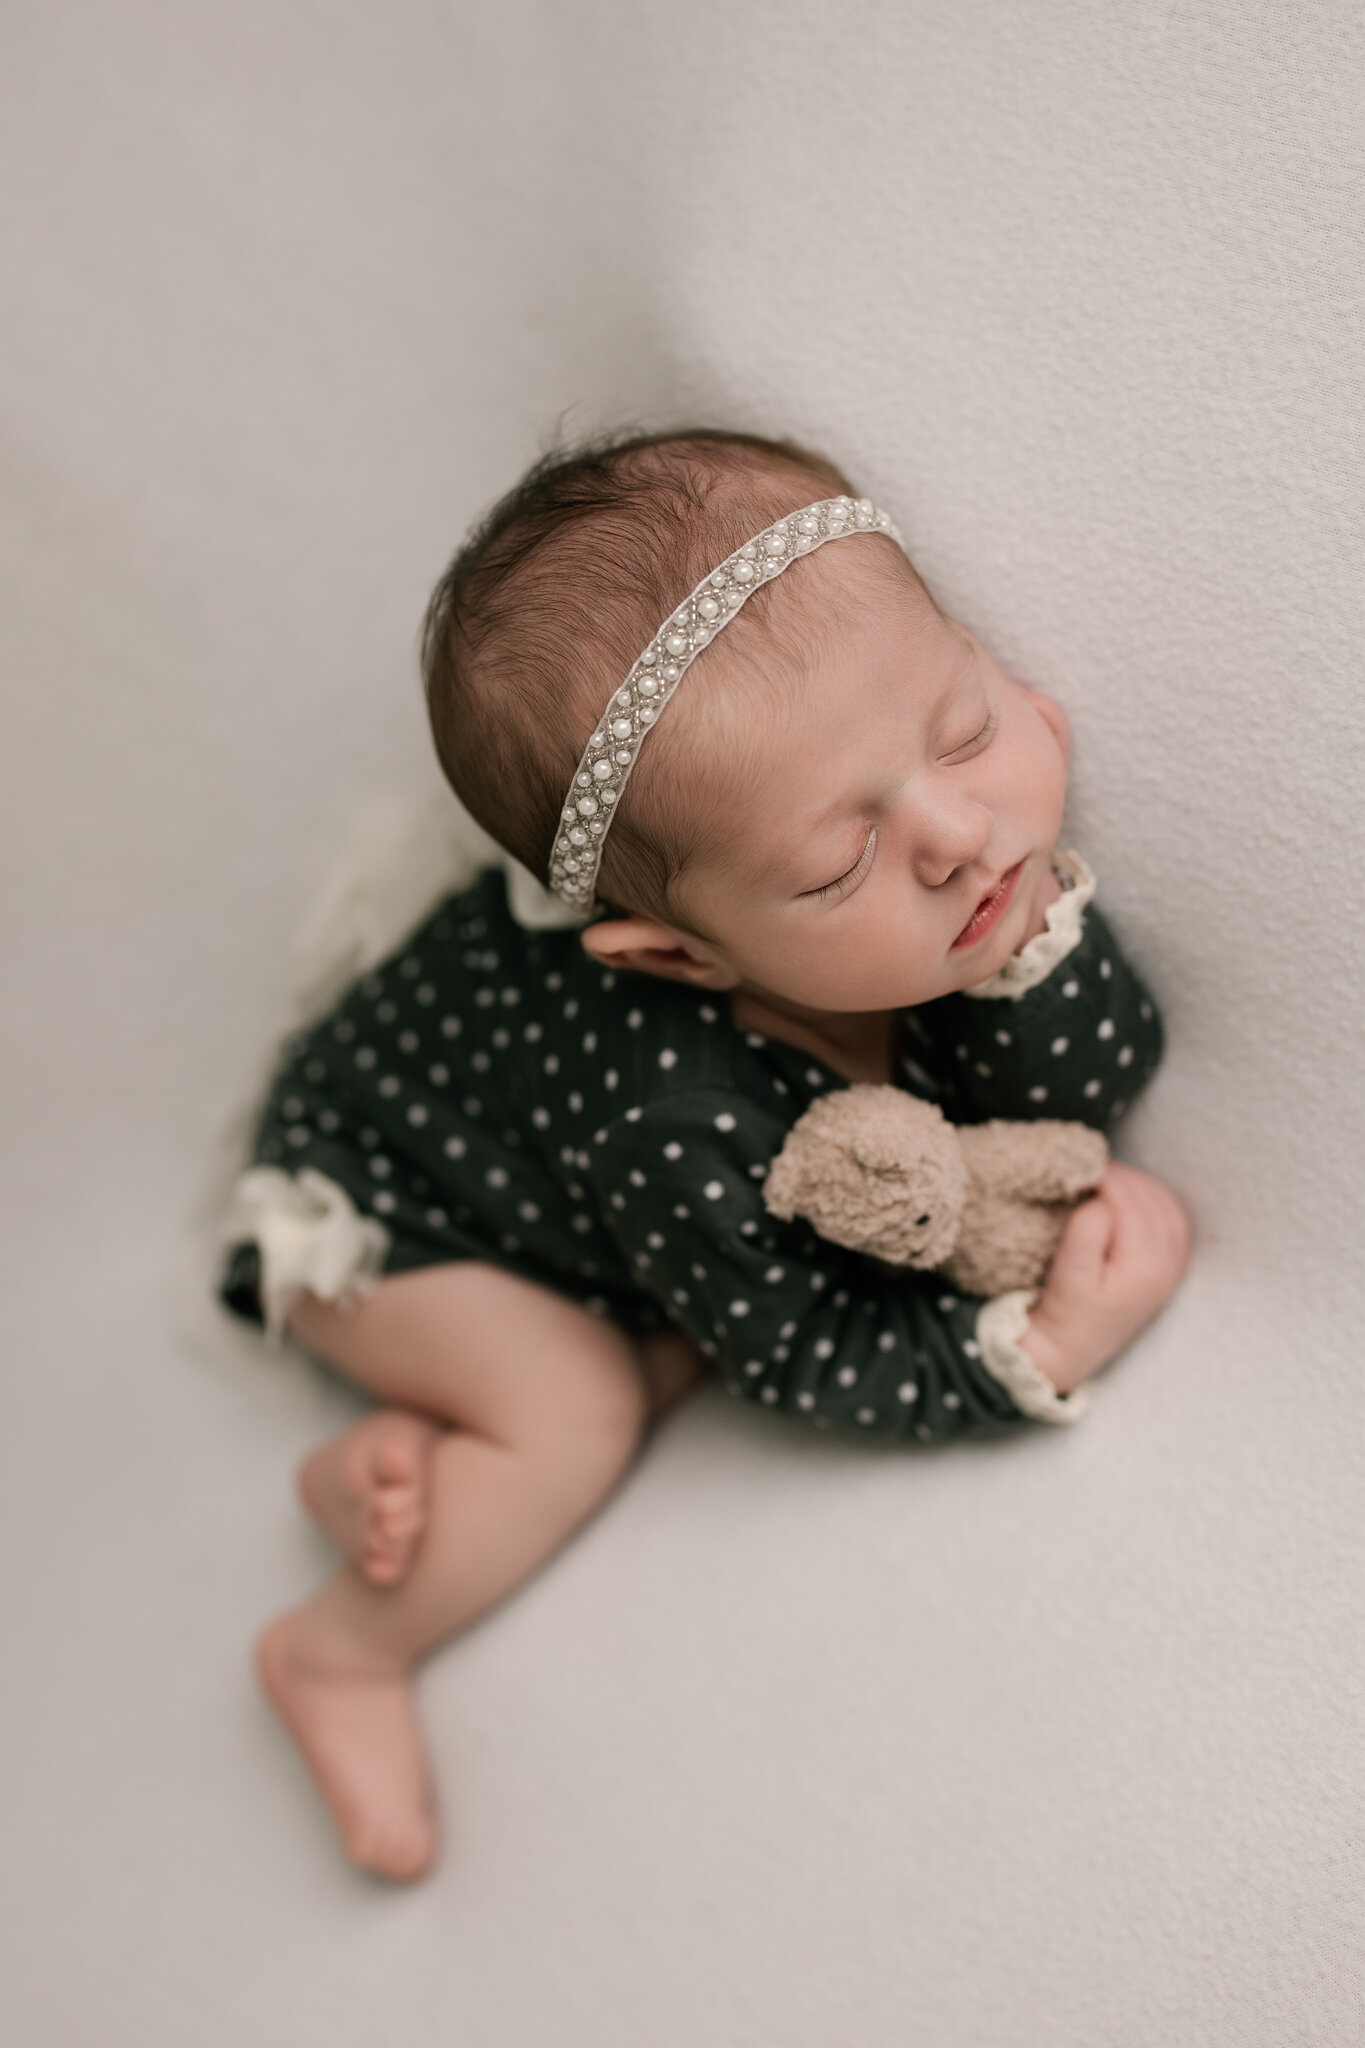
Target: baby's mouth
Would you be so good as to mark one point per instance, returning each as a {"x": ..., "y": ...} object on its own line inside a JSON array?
[{"x": 989, "y": 910}]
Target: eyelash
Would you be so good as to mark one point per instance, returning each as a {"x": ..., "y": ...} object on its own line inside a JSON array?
[
  {"x": 987, "y": 732},
  {"x": 841, "y": 884}
]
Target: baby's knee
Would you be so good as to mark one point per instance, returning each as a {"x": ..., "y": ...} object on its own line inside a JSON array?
[{"x": 600, "y": 1401}]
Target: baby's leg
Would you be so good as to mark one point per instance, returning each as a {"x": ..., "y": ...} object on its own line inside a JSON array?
[
  {"x": 672, "y": 1366},
  {"x": 540, "y": 1408},
  {"x": 367, "y": 1487}
]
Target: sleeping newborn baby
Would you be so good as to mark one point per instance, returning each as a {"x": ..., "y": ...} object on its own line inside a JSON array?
[{"x": 799, "y": 830}]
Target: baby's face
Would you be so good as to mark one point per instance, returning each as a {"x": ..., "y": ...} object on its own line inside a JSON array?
[{"x": 900, "y": 775}]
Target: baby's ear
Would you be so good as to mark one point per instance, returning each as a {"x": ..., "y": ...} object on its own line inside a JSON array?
[{"x": 650, "y": 947}]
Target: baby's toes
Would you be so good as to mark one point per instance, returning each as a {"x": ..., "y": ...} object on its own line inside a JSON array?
[
  {"x": 383, "y": 1567},
  {"x": 395, "y": 1522},
  {"x": 397, "y": 1846},
  {"x": 385, "y": 1531},
  {"x": 390, "y": 1540},
  {"x": 394, "y": 1504},
  {"x": 396, "y": 1460}
]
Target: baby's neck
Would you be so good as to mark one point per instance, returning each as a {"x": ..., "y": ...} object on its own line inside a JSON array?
[{"x": 860, "y": 1045}]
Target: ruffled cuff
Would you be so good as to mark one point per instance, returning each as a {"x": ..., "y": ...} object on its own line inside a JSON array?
[
  {"x": 310, "y": 1236},
  {"x": 1065, "y": 919},
  {"x": 1000, "y": 1324}
]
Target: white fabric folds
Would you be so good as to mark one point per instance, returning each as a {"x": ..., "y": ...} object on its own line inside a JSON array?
[{"x": 311, "y": 1238}]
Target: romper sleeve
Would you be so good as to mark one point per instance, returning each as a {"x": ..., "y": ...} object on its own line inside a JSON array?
[
  {"x": 1067, "y": 1028},
  {"x": 795, "y": 1323}
]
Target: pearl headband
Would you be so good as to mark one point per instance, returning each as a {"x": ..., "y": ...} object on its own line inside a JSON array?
[{"x": 614, "y": 748}]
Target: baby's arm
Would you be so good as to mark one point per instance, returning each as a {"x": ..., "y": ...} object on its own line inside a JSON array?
[
  {"x": 1122, "y": 1255},
  {"x": 1079, "y": 1044},
  {"x": 794, "y": 1322}
]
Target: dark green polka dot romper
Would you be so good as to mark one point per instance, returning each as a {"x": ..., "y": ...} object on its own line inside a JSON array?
[{"x": 493, "y": 1093}]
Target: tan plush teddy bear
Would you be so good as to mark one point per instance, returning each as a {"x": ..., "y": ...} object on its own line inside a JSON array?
[{"x": 885, "y": 1173}]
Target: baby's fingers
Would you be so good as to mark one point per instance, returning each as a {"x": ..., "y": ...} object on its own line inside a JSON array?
[
  {"x": 1177, "y": 1230},
  {"x": 1083, "y": 1249},
  {"x": 1151, "y": 1230}
]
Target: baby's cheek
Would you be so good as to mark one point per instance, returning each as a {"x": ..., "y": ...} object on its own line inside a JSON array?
[
  {"x": 819, "y": 975},
  {"x": 870, "y": 968}
]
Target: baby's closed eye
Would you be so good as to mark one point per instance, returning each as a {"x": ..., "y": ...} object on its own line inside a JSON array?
[{"x": 842, "y": 884}]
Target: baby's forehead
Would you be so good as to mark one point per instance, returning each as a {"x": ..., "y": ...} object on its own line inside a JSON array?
[
  {"x": 749, "y": 711},
  {"x": 856, "y": 570},
  {"x": 858, "y": 600}
]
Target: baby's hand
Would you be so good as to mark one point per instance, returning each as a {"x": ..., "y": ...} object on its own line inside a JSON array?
[{"x": 1122, "y": 1255}]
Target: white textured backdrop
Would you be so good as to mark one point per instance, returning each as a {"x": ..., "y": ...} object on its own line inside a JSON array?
[{"x": 1055, "y": 1742}]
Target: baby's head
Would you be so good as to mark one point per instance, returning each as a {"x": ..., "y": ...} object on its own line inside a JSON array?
[{"x": 840, "y": 777}]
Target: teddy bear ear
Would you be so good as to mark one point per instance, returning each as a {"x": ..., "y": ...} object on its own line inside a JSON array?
[{"x": 887, "y": 1130}]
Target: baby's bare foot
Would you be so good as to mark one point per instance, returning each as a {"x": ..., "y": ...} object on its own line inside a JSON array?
[
  {"x": 360, "y": 1739},
  {"x": 368, "y": 1490}
]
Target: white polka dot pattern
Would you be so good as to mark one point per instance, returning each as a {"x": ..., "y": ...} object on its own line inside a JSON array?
[{"x": 615, "y": 1141}]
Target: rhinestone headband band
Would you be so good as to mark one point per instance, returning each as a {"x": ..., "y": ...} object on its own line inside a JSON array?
[{"x": 614, "y": 747}]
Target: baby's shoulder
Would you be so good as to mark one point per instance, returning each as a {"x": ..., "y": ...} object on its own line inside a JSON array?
[{"x": 536, "y": 1001}]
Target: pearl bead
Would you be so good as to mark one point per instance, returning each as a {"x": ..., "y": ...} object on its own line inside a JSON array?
[
  {"x": 775, "y": 545},
  {"x": 744, "y": 572},
  {"x": 587, "y": 806},
  {"x": 649, "y": 657},
  {"x": 647, "y": 685},
  {"x": 809, "y": 523},
  {"x": 748, "y": 551},
  {"x": 676, "y": 643},
  {"x": 584, "y": 781},
  {"x": 578, "y": 836},
  {"x": 671, "y": 671},
  {"x": 622, "y": 728},
  {"x": 719, "y": 580},
  {"x": 602, "y": 770},
  {"x": 646, "y": 714},
  {"x": 708, "y": 608},
  {"x": 623, "y": 757}
]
